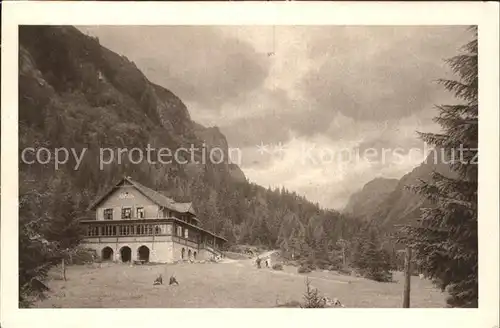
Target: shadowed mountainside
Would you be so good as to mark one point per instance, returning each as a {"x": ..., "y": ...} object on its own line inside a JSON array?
[
  {"x": 362, "y": 203},
  {"x": 387, "y": 202}
]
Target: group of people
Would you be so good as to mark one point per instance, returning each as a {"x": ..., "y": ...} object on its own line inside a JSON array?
[
  {"x": 159, "y": 281},
  {"x": 259, "y": 260}
]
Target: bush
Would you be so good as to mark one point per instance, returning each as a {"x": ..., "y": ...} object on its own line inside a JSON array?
[
  {"x": 304, "y": 269},
  {"x": 344, "y": 270},
  {"x": 278, "y": 266},
  {"x": 335, "y": 267},
  {"x": 83, "y": 256},
  {"x": 381, "y": 276},
  {"x": 323, "y": 264}
]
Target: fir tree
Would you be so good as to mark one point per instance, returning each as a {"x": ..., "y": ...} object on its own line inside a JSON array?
[
  {"x": 36, "y": 254},
  {"x": 445, "y": 238},
  {"x": 36, "y": 257},
  {"x": 370, "y": 258},
  {"x": 312, "y": 298}
]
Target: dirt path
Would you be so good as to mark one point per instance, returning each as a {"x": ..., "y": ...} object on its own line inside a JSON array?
[
  {"x": 288, "y": 271},
  {"x": 267, "y": 254}
]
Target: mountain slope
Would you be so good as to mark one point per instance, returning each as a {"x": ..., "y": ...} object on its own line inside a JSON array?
[
  {"x": 403, "y": 206},
  {"x": 362, "y": 203},
  {"x": 399, "y": 205}
]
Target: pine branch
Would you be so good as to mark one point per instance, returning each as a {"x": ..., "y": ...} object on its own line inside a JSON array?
[{"x": 461, "y": 90}]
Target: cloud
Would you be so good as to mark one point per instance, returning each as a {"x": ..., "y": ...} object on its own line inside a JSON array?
[
  {"x": 378, "y": 73},
  {"x": 348, "y": 75},
  {"x": 318, "y": 168},
  {"x": 328, "y": 170}
]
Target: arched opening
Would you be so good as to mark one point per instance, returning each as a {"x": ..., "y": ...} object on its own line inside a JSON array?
[
  {"x": 183, "y": 253},
  {"x": 189, "y": 254},
  {"x": 143, "y": 253},
  {"x": 194, "y": 255},
  {"x": 126, "y": 254},
  {"x": 107, "y": 254}
]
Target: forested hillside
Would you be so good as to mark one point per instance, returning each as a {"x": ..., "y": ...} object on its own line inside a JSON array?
[
  {"x": 362, "y": 203},
  {"x": 387, "y": 203},
  {"x": 76, "y": 94}
]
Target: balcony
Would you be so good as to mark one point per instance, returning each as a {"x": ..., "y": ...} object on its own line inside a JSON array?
[{"x": 121, "y": 229}]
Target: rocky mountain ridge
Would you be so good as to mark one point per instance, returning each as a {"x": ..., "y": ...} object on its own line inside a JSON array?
[{"x": 388, "y": 202}]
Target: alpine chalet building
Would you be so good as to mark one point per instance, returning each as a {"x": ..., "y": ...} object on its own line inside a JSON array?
[{"x": 135, "y": 223}]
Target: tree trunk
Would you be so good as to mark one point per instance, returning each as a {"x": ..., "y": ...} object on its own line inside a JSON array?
[
  {"x": 63, "y": 268},
  {"x": 343, "y": 255},
  {"x": 407, "y": 272}
]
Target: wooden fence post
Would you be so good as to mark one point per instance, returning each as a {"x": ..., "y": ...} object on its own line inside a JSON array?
[{"x": 407, "y": 272}]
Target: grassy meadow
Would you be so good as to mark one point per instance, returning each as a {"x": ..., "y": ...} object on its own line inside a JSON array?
[{"x": 231, "y": 283}]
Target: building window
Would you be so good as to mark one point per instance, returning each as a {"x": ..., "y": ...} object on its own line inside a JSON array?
[
  {"x": 179, "y": 231},
  {"x": 126, "y": 213},
  {"x": 186, "y": 235},
  {"x": 108, "y": 214},
  {"x": 140, "y": 213},
  {"x": 157, "y": 230}
]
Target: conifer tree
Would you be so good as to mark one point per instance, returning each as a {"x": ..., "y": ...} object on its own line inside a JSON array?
[
  {"x": 369, "y": 257},
  {"x": 312, "y": 298},
  {"x": 36, "y": 254},
  {"x": 445, "y": 238}
]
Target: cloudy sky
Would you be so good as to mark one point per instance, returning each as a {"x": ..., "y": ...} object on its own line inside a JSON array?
[{"x": 311, "y": 97}]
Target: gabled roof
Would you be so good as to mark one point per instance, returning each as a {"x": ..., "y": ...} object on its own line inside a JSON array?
[{"x": 154, "y": 196}]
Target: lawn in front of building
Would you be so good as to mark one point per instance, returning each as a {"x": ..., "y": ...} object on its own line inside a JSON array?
[{"x": 233, "y": 284}]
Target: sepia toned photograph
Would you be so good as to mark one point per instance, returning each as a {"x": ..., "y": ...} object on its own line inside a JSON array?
[
  {"x": 247, "y": 166},
  {"x": 267, "y": 166}
]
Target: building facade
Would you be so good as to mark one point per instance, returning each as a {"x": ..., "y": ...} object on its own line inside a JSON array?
[{"x": 135, "y": 223}]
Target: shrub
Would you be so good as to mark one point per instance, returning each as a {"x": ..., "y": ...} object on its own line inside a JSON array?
[
  {"x": 335, "y": 267},
  {"x": 381, "y": 276},
  {"x": 82, "y": 256},
  {"x": 278, "y": 266},
  {"x": 344, "y": 270},
  {"x": 323, "y": 264},
  {"x": 304, "y": 269}
]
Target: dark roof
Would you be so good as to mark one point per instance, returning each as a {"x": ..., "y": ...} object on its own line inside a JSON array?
[{"x": 156, "y": 197}]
